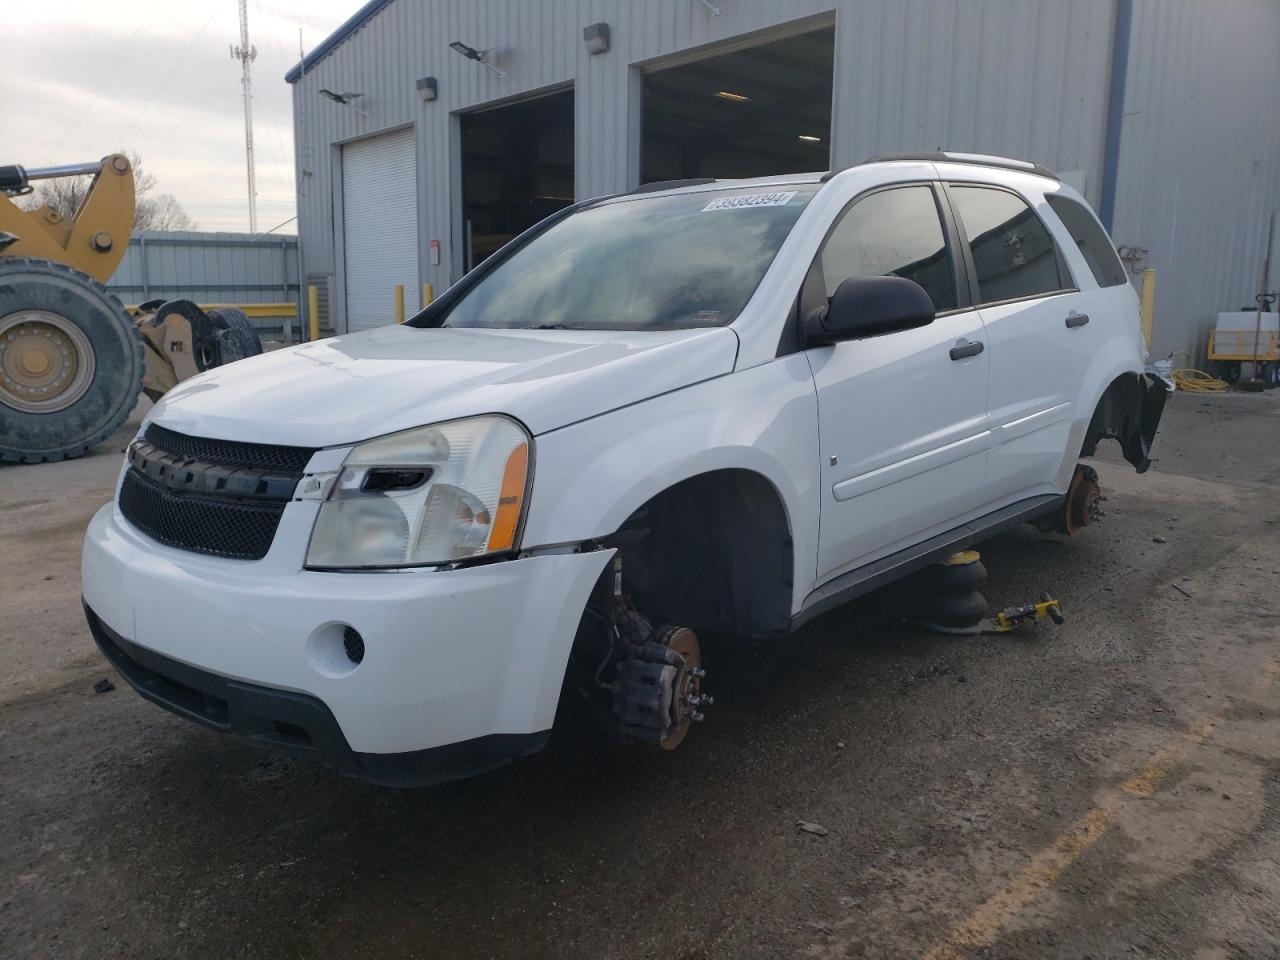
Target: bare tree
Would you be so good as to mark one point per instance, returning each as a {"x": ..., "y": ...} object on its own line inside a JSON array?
[
  {"x": 162, "y": 211},
  {"x": 152, "y": 211}
]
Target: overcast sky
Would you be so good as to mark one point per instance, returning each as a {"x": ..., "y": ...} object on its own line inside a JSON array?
[{"x": 83, "y": 78}]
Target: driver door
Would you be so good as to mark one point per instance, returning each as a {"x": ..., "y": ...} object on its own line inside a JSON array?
[{"x": 901, "y": 417}]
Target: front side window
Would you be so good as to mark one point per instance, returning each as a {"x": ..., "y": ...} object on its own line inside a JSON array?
[
  {"x": 1013, "y": 252},
  {"x": 1095, "y": 246},
  {"x": 892, "y": 233},
  {"x": 642, "y": 263}
]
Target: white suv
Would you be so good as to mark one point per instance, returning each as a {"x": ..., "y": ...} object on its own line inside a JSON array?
[{"x": 718, "y": 406}]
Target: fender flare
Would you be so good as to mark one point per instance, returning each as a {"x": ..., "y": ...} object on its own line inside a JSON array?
[{"x": 714, "y": 460}]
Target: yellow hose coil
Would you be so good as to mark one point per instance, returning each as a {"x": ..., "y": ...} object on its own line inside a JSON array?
[{"x": 1197, "y": 381}]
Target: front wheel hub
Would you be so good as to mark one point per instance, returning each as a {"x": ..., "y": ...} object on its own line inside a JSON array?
[
  {"x": 686, "y": 693},
  {"x": 46, "y": 361}
]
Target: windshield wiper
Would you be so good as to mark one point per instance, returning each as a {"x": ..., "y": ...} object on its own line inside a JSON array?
[{"x": 553, "y": 326}]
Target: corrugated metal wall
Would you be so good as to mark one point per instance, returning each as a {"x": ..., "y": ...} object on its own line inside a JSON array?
[
  {"x": 1200, "y": 157},
  {"x": 208, "y": 268},
  {"x": 1198, "y": 172},
  {"x": 973, "y": 76}
]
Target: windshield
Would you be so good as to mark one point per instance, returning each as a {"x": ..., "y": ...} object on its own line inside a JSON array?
[{"x": 652, "y": 263}]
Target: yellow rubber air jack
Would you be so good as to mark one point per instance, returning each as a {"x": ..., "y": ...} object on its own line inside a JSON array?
[{"x": 955, "y": 606}]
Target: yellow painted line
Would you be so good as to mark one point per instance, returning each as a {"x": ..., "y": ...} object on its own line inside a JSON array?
[
  {"x": 986, "y": 923},
  {"x": 258, "y": 309},
  {"x": 248, "y": 309},
  {"x": 1147, "y": 780}
]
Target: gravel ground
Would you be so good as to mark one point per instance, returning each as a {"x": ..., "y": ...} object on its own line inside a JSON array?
[{"x": 1107, "y": 788}]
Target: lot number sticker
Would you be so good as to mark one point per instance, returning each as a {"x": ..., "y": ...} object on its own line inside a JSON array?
[{"x": 744, "y": 201}]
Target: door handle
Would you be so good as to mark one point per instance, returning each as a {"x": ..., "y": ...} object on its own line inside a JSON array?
[
  {"x": 970, "y": 348},
  {"x": 1077, "y": 319}
]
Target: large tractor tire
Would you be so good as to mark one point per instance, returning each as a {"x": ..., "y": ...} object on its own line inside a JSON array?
[
  {"x": 236, "y": 336},
  {"x": 71, "y": 361}
]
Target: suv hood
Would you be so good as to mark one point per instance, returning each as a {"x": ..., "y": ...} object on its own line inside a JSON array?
[{"x": 363, "y": 385}]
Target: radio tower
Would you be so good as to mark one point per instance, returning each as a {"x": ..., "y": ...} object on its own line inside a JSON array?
[{"x": 246, "y": 54}]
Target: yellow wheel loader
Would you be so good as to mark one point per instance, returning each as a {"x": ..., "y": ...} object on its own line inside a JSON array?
[{"x": 72, "y": 358}]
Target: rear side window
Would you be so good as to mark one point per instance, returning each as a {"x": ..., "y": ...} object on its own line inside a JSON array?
[
  {"x": 1013, "y": 251},
  {"x": 892, "y": 233},
  {"x": 1095, "y": 246}
]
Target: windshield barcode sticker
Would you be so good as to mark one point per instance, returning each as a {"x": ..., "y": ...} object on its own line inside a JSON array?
[{"x": 750, "y": 200}]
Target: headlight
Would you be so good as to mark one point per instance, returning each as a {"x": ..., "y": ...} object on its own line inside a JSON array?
[{"x": 434, "y": 494}]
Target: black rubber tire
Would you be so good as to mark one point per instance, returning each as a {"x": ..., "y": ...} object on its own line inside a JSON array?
[
  {"x": 1229, "y": 371},
  {"x": 25, "y": 437},
  {"x": 237, "y": 337}
]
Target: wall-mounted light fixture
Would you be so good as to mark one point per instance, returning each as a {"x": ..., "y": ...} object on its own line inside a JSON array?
[
  {"x": 427, "y": 89},
  {"x": 479, "y": 56},
  {"x": 344, "y": 98},
  {"x": 347, "y": 99},
  {"x": 596, "y": 37},
  {"x": 810, "y": 138}
]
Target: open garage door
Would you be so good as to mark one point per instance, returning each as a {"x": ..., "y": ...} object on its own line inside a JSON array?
[
  {"x": 379, "y": 226},
  {"x": 517, "y": 168},
  {"x": 750, "y": 113}
]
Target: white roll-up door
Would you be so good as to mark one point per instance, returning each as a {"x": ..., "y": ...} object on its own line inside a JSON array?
[{"x": 379, "y": 227}]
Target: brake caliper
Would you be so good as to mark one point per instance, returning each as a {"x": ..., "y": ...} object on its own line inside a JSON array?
[
  {"x": 643, "y": 681},
  {"x": 657, "y": 687}
]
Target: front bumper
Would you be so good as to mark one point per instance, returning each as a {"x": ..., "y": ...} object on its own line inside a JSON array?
[
  {"x": 295, "y": 722},
  {"x": 451, "y": 657}
]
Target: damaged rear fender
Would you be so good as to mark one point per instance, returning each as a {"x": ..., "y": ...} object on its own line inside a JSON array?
[{"x": 1129, "y": 412}]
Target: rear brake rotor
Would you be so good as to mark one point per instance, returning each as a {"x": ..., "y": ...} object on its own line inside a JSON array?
[
  {"x": 1084, "y": 501},
  {"x": 46, "y": 361},
  {"x": 688, "y": 683}
]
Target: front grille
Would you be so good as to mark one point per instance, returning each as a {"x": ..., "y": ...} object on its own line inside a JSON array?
[
  {"x": 221, "y": 527},
  {"x": 262, "y": 456},
  {"x": 219, "y": 497}
]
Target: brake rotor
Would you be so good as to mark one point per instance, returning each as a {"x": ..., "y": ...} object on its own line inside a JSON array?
[
  {"x": 688, "y": 683},
  {"x": 46, "y": 361},
  {"x": 1084, "y": 501}
]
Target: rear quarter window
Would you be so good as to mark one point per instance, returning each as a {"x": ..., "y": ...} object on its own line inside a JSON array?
[{"x": 1095, "y": 246}]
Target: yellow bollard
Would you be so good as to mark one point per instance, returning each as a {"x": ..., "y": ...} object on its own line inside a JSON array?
[
  {"x": 428, "y": 294},
  {"x": 399, "y": 303},
  {"x": 1148, "y": 304},
  {"x": 313, "y": 311}
]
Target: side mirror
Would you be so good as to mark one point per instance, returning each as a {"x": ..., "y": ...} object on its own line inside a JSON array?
[{"x": 869, "y": 307}]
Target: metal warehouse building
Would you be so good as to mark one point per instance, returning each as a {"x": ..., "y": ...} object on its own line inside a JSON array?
[{"x": 429, "y": 132}]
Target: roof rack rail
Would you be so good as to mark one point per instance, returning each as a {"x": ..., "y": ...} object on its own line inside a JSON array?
[
  {"x": 943, "y": 156},
  {"x": 983, "y": 159},
  {"x": 672, "y": 184}
]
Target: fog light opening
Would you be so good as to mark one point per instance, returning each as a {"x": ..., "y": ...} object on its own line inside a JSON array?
[{"x": 353, "y": 643}]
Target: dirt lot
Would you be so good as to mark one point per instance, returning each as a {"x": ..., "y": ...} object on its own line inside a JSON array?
[{"x": 1108, "y": 788}]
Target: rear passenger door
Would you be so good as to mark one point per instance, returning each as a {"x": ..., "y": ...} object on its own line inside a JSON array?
[
  {"x": 1029, "y": 307},
  {"x": 901, "y": 417}
]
